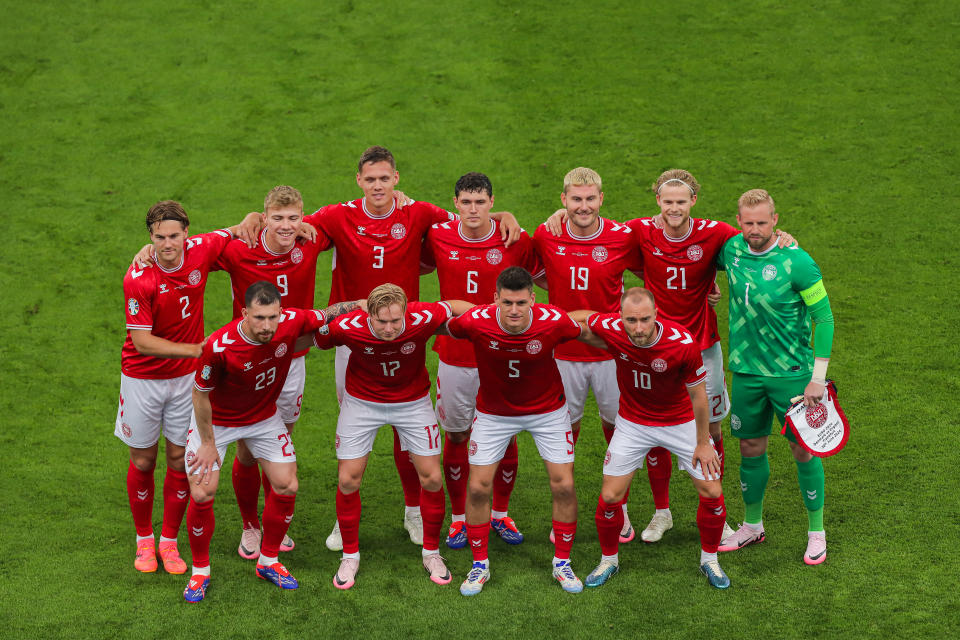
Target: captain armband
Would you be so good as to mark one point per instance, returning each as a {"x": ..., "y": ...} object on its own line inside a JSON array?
[{"x": 814, "y": 294}]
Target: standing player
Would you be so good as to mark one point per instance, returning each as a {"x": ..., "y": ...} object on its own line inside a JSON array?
[
  {"x": 374, "y": 241},
  {"x": 468, "y": 257},
  {"x": 164, "y": 335},
  {"x": 774, "y": 294},
  {"x": 241, "y": 372},
  {"x": 662, "y": 404},
  {"x": 585, "y": 264},
  {"x": 520, "y": 390},
  {"x": 387, "y": 382},
  {"x": 290, "y": 263}
]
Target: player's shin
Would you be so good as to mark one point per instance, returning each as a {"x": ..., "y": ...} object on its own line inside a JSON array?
[
  {"x": 246, "y": 486},
  {"x": 754, "y": 474},
  {"x": 348, "y": 515},
  {"x": 811, "y": 479},
  {"x": 659, "y": 469},
  {"x": 711, "y": 514},
  {"x": 505, "y": 478},
  {"x": 564, "y": 532},
  {"x": 432, "y": 507},
  {"x": 277, "y": 515},
  {"x": 456, "y": 470},
  {"x": 176, "y": 493},
  {"x": 140, "y": 489},
  {"x": 409, "y": 478},
  {"x": 609, "y": 518},
  {"x": 200, "y": 525},
  {"x": 478, "y": 535}
]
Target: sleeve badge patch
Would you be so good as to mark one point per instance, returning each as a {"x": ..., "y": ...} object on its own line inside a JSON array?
[
  {"x": 133, "y": 307},
  {"x": 206, "y": 371}
]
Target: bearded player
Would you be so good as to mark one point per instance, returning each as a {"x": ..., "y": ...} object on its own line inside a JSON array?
[
  {"x": 468, "y": 256},
  {"x": 662, "y": 404}
]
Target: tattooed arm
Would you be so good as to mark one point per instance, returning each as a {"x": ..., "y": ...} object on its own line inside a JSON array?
[{"x": 331, "y": 313}]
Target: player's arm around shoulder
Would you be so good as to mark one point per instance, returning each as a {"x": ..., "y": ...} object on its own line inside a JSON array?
[{"x": 583, "y": 318}]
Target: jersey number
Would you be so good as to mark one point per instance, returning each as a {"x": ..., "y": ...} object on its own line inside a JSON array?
[
  {"x": 285, "y": 439},
  {"x": 282, "y": 284},
  {"x": 266, "y": 378},
  {"x": 579, "y": 278},
  {"x": 185, "y": 301},
  {"x": 378, "y": 257},
  {"x": 433, "y": 437},
  {"x": 389, "y": 368},
  {"x": 512, "y": 365},
  {"x": 471, "y": 281},
  {"x": 673, "y": 273},
  {"x": 746, "y": 296},
  {"x": 641, "y": 381}
]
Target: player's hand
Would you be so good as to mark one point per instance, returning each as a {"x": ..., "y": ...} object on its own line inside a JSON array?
[
  {"x": 144, "y": 257},
  {"x": 203, "y": 462},
  {"x": 249, "y": 229},
  {"x": 509, "y": 228},
  {"x": 714, "y": 296},
  {"x": 658, "y": 221},
  {"x": 813, "y": 394},
  {"x": 709, "y": 461},
  {"x": 307, "y": 231},
  {"x": 555, "y": 222},
  {"x": 784, "y": 239},
  {"x": 402, "y": 199},
  {"x": 362, "y": 304}
]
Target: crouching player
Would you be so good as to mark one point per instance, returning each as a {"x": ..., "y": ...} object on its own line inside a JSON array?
[
  {"x": 239, "y": 376},
  {"x": 663, "y": 403},
  {"x": 387, "y": 383}
]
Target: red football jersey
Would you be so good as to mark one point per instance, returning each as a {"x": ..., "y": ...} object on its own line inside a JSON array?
[
  {"x": 294, "y": 272},
  {"x": 169, "y": 304},
  {"x": 386, "y": 371},
  {"x": 467, "y": 270},
  {"x": 518, "y": 374},
  {"x": 370, "y": 250},
  {"x": 587, "y": 273},
  {"x": 681, "y": 271},
  {"x": 653, "y": 379},
  {"x": 245, "y": 377}
]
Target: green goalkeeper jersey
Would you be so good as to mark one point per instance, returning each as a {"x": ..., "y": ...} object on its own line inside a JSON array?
[{"x": 770, "y": 320}]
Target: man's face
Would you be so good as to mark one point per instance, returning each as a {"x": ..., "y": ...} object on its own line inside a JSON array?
[
  {"x": 675, "y": 202},
  {"x": 514, "y": 308},
  {"x": 474, "y": 208},
  {"x": 583, "y": 205},
  {"x": 168, "y": 238},
  {"x": 262, "y": 320},
  {"x": 757, "y": 222},
  {"x": 639, "y": 320},
  {"x": 387, "y": 322},
  {"x": 377, "y": 180},
  {"x": 282, "y": 224}
]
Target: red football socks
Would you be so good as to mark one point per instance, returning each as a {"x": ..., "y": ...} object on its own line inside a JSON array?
[
  {"x": 246, "y": 486},
  {"x": 432, "y": 506},
  {"x": 718, "y": 447},
  {"x": 659, "y": 468},
  {"x": 409, "y": 478},
  {"x": 277, "y": 515},
  {"x": 348, "y": 515},
  {"x": 456, "y": 469},
  {"x": 200, "y": 523},
  {"x": 711, "y": 514},
  {"x": 140, "y": 494},
  {"x": 176, "y": 494},
  {"x": 478, "y": 535},
  {"x": 609, "y": 523},
  {"x": 504, "y": 480},
  {"x": 564, "y": 532}
]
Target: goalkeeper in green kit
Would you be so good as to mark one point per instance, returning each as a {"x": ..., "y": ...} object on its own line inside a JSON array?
[{"x": 774, "y": 294}]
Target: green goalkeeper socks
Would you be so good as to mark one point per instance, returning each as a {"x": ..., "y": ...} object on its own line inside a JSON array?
[
  {"x": 811, "y": 480},
  {"x": 754, "y": 473}
]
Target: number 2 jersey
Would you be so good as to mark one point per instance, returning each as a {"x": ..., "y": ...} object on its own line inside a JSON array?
[
  {"x": 654, "y": 378},
  {"x": 518, "y": 374},
  {"x": 169, "y": 304},
  {"x": 386, "y": 371},
  {"x": 681, "y": 271},
  {"x": 587, "y": 273},
  {"x": 370, "y": 250},
  {"x": 467, "y": 270},
  {"x": 245, "y": 377}
]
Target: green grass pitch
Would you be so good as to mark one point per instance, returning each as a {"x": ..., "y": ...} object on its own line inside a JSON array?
[{"x": 845, "y": 111}]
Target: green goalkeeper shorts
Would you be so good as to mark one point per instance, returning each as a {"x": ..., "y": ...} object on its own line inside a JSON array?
[{"x": 756, "y": 398}]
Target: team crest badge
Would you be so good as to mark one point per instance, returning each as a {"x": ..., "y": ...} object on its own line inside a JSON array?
[
  {"x": 205, "y": 372},
  {"x": 281, "y": 350},
  {"x": 195, "y": 277},
  {"x": 191, "y": 456},
  {"x": 494, "y": 256},
  {"x": 694, "y": 252},
  {"x": 408, "y": 348},
  {"x": 133, "y": 307},
  {"x": 534, "y": 347},
  {"x": 473, "y": 447},
  {"x": 324, "y": 330},
  {"x": 336, "y": 442},
  {"x": 600, "y": 254},
  {"x": 659, "y": 365},
  {"x": 397, "y": 231},
  {"x": 296, "y": 256},
  {"x": 127, "y": 431},
  {"x": 606, "y": 458},
  {"x": 734, "y": 422},
  {"x": 822, "y": 429},
  {"x": 769, "y": 272}
]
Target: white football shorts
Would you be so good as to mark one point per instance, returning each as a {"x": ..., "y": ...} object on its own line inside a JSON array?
[
  {"x": 579, "y": 377},
  {"x": 360, "y": 420},
  {"x": 456, "y": 396},
  {"x": 291, "y": 396},
  {"x": 340, "y": 369},
  {"x": 717, "y": 398},
  {"x": 151, "y": 407},
  {"x": 551, "y": 432},
  {"x": 631, "y": 442},
  {"x": 266, "y": 440}
]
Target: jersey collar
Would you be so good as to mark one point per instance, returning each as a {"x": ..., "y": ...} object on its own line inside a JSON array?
[
  {"x": 393, "y": 207},
  {"x": 592, "y": 236},
  {"x": 511, "y": 333},
  {"x": 647, "y": 346},
  {"x": 493, "y": 229},
  {"x": 684, "y": 236}
]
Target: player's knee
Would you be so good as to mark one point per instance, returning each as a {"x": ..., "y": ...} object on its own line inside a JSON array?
[
  {"x": 753, "y": 447},
  {"x": 458, "y": 436},
  {"x": 286, "y": 486},
  {"x": 799, "y": 453},
  {"x": 479, "y": 491},
  {"x": 145, "y": 459},
  {"x": 201, "y": 493},
  {"x": 432, "y": 481},
  {"x": 562, "y": 489},
  {"x": 611, "y": 496},
  {"x": 710, "y": 489}
]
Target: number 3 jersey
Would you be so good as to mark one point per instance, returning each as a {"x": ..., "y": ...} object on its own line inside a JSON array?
[
  {"x": 169, "y": 304},
  {"x": 386, "y": 371},
  {"x": 245, "y": 377},
  {"x": 587, "y": 273},
  {"x": 654, "y": 378},
  {"x": 518, "y": 375},
  {"x": 371, "y": 250},
  {"x": 467, "y": 270}
]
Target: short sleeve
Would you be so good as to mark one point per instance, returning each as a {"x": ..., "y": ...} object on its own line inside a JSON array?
[
  {"x": 209, "y": 368},
  {"x": 139, "y": 301},
  {"x": 459, "y": 327},
  {"x": 695, "y": 371}
]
